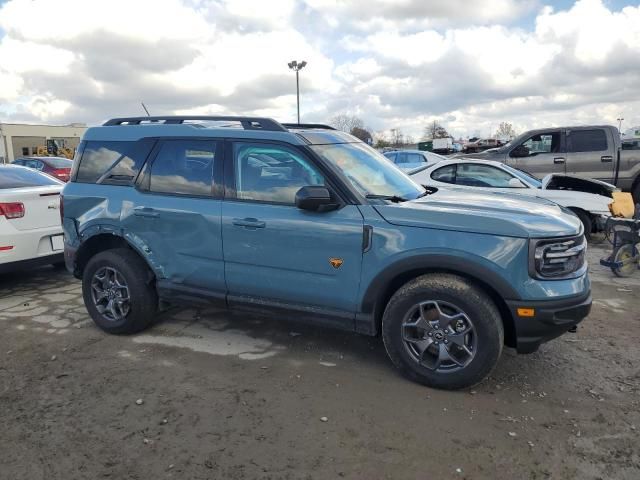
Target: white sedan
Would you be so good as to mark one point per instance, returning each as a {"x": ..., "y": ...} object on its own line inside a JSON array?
[
  {"x": 588, "y": 199},
  {"x": 30, "y": 228}
]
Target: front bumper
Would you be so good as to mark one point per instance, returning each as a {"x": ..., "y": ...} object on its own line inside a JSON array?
[{"x": 551, "y": 319}]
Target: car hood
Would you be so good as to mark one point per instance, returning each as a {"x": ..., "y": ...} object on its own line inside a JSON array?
[
  {"x": 489, "y": 213},
  {"x": 562, "y": 181}
]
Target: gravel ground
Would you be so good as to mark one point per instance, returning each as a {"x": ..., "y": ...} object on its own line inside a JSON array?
[{"x": 205, "y": 395}]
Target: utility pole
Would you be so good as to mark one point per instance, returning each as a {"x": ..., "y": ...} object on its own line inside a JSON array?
[
  {"x": 296, "y": 67},
  {"x": 620, "y": 124}
]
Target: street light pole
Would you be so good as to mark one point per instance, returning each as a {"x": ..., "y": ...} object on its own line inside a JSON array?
[
  {"x": 296, "y": 67},
  {"x": 620, "y": 125}
]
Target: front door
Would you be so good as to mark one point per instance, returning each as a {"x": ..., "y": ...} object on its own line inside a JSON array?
[
  {"x": 174, "y": 215},
  {"x": 547, "y": 154},
  {"x": 276, "y": 254}
]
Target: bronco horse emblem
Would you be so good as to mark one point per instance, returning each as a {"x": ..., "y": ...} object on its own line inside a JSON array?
[{"x": 336, "y": 262}]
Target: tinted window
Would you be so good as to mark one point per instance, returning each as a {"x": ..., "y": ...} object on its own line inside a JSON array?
[
  {"x": 543, "y": 143},
  {"x": 587, "y": 141},
  {"x": 184, "y": 167},
  {"x": 16, "y": 177},
  {"x": 472, "y": 175},
  {"x": 391, "y": 156},
  {"x": 271, "y": 173},
  {"x": 631, "y": 145},
  {"x": 445, "y": 174},
  {"x": 415, "y": 158},
  {"x": 98, "y": 157},
  {"x": 56, "y": 162}
]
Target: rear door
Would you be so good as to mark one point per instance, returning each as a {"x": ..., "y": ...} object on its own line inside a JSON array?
[
  {"x": 276, "y": 254},
  {"x": 590, "y": 153},
  {"x": 547, "y": 154},
  {"x": 175, "y": 213}
]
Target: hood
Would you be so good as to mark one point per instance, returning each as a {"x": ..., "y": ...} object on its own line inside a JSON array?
[
  {"x": 562, "y": 181},
  {"x": 490, "y": 213}
]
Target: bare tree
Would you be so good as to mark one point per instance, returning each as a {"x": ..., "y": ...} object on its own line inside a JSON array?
[
  {"x": 381, "y": 140},
  {"x": 434, "y": 130},
  {"x": 346, "y": 123},
  {"x": 505, "y": 130},
  {"x": 363, "y": 134}
]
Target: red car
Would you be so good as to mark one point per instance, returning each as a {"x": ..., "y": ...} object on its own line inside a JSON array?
[{"x": 57, "y": 167}]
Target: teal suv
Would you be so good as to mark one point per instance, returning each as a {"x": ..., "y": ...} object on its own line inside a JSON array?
[{"x": 309, "y": 223}]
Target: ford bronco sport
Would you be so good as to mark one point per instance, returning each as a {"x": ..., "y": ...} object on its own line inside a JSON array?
[{"x": 310, "y": 223}]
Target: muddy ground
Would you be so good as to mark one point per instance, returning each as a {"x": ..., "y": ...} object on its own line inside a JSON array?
[{"x": 242, "y": 398}]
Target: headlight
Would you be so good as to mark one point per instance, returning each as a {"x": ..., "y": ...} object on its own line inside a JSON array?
[{"x": 558, "y": 258}]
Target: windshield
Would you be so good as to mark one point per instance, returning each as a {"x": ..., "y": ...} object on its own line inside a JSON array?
[
  {"x": 526, "y": 176},
  {"x": 369, "y": 172}
]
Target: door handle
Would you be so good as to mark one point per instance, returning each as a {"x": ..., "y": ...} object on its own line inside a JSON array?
[
  {"x": 558, "y": 160},
  {"x": 145, "y": 212},
  {"x": 249, "y": 223},
  {"x": 606, "y": 158}
]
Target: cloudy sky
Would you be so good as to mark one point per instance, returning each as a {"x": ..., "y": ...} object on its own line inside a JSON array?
[{"x": 394, "y": 63}]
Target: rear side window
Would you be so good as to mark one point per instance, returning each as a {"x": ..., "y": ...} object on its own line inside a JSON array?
[
  {"x": 16, "y": 177},
  {"x": 587, "y": 141},
  {"x": 112, "y": 162},
  {"x": 184, "y": 167}
]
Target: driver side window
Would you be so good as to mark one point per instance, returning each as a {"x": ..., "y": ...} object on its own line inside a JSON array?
[
  {"x": 543, "y": 143},
  {"x": 271, "y": 173}
]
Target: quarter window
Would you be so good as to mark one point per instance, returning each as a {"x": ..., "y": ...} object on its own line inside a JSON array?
[
  {"x": 271, "y": 173},
  {"x": 587, "y": 141},
  {"x": 183, "y": 167},
  {"x": 445, "y": 174}
]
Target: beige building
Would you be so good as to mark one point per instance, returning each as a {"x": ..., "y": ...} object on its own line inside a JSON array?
[{"x": 17, "y": 139}]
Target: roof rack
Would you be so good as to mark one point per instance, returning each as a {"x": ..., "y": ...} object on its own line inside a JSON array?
[
  {"x": 248, "y": 123},
  {"x": 295, "y": 126}
]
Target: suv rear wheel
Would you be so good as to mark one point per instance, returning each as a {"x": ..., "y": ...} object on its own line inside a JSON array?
[
  {"x": 117, "y": 292},
  {"x": 442, "y": 331}
]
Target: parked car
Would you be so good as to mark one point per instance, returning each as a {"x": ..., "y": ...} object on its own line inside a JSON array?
[
  {"x": 588, "y": 199},
  {"x": 589, "y": 152},
  {"x": 411, "y": 159},
  {"x": 310, "y": 223},
  {"x": 58, "y": 167},
  {"x": 30, "y": 230},
  {"x": 481, "y": 145}
]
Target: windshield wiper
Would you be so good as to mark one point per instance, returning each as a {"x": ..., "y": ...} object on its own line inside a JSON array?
[{"x": 391, "y": 198}]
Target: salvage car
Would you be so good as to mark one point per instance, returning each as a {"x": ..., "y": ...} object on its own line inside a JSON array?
[
  {"x": 30, "y": 229},
  {"x": 310, "y": 223},
  {"x": 588, "y": 199}
]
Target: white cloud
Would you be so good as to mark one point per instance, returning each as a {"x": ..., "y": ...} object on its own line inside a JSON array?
[{"x": 397, "y": 64}]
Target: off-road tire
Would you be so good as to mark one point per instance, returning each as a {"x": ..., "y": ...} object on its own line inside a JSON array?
[
  {"x": 143, "y": 297},
  {"x": 456, "y": 290}
]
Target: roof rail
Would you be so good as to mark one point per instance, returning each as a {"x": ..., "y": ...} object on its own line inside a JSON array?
[
  {"x": 294, "y": 126},
  {"x": 248, "y": 123}
]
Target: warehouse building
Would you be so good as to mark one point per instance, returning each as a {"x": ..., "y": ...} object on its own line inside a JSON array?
[{"x": 17, "y": 140}]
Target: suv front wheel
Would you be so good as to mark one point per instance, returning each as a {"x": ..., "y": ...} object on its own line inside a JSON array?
[
  {"x": 442, "y": 331},
  {"x": 117, "y": 291}
]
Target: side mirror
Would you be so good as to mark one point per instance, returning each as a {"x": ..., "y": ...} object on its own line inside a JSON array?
[
  {"x": 315, "y": 199},
  {"x": 519, "y": 152},
  {"x": 516, "y": 183}
]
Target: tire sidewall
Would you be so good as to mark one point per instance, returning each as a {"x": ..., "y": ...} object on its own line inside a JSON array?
[
  {"x": 480, "y": 310},
  {"x": 139, "y": 293}
]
